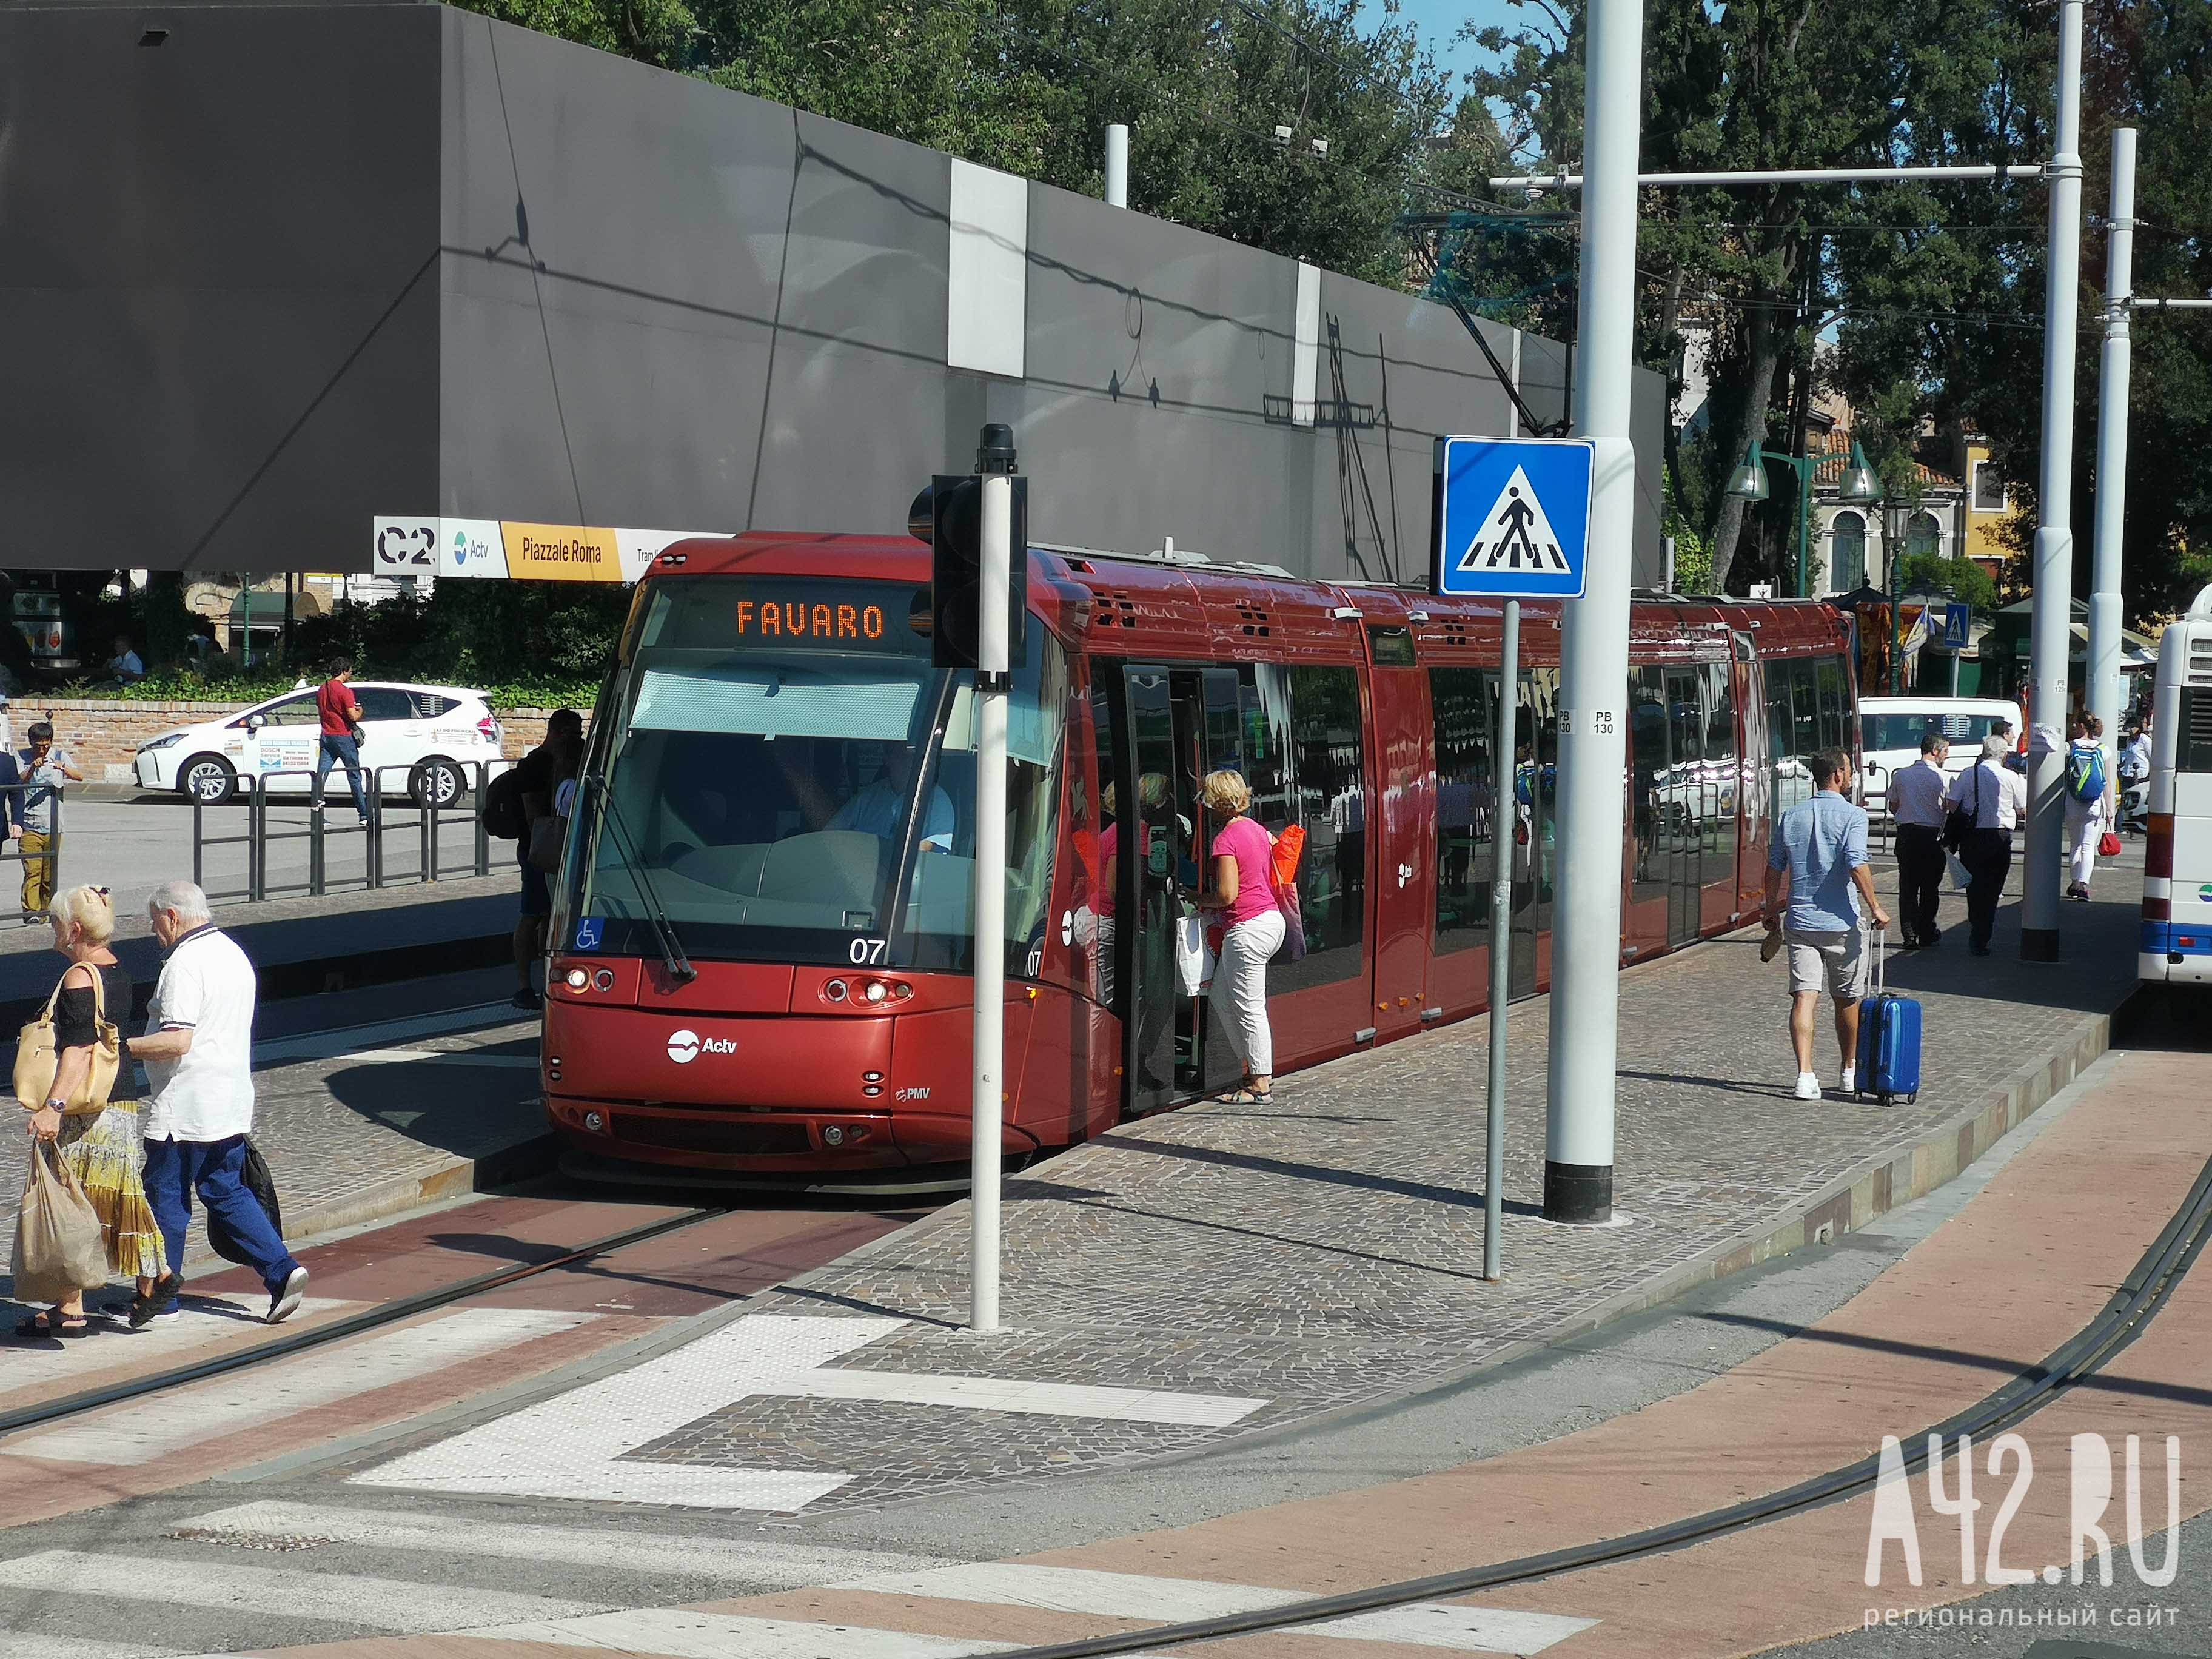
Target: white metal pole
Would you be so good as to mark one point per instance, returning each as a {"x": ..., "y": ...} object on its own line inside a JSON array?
[
  {"x": 1784, "y": 175},
  {"x": 1504, "y": 820},
  {"x": 2112, "y": 450},
  {"x": 990, "y": 949},
  {"x": 1593, "y": 643},
  {"x": 1117, "y": 165},
  {"x": 2051, "y": 635}
]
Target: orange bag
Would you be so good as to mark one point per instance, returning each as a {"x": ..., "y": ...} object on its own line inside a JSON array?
[{"x": 1283, "y": 866}]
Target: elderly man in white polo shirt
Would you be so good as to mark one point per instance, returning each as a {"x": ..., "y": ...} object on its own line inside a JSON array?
[{"x": 199, "y": 1053}]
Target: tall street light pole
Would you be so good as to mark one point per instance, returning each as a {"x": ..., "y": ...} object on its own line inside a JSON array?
[
  {"x": 2050, "y": 636},
  {"x": 2112, "y": 448},
  {"x": 1594, "y": 641}
]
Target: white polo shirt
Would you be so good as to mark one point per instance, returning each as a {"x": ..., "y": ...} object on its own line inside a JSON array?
[
  {"x": 1995, "y": 793},
  {"x": 208, "y": 984}
]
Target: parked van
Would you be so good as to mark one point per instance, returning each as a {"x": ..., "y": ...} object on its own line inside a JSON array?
[{"x": 1891, "y": 729}]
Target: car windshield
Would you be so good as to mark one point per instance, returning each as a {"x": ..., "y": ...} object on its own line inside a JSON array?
[
  {"x": 1905, "y": 729},
  {"x": 796, "y": 782}
]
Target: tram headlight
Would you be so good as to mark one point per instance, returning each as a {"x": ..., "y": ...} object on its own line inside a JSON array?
[
  {"x": 578, "y": 979},
  {"x": 604, "y": 980},
  {"x": 835, "y": 990},
  {"x": 832, "y": 1136},
  {"x": 594, "y": 1122},
  {"x": 875, "y": 991}
]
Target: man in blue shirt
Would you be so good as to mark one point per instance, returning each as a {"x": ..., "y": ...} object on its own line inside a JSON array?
[
  {"x": 1817, "y": 858},
  {"x": 876, "y": 810}
]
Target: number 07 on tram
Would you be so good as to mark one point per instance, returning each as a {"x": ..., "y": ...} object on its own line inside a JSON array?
[{"x": 760, "y": 960}]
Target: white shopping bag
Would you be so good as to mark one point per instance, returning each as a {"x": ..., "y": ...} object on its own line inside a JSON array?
[
  {"x": 1193, "y": 960},
  {"x": 1958, "y": 872}
]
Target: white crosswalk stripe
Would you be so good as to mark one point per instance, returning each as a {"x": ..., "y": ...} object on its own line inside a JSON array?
[
  {"x": 199, "y": 1415},
  {"x": 207, "y": 1321},
  {"x": 396, "y": 1605},
  {"x": 1167, "y": 1600},
  {"x": 679, "y": 1635},
  {"x": 760, "y": 1564},
  {"x": 577, "y": 1444},
  {"x": 37, "y": 1644}
]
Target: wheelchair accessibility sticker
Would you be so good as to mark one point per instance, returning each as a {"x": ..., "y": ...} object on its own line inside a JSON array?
[{"x": 587, "y": 933}]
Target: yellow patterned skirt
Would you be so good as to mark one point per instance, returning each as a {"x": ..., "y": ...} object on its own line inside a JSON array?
[{"x": 104, "y": 1152}]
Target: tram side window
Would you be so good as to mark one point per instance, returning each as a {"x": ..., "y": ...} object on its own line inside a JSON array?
[
  {"x": 1330, "y": 768},
  {"x": 1463, "y": 703},
  {"x": 1537, "y": 793},
  {"x": 1263, "y": 708},
  {"x": 1102, "y": 837},
  {"x": 1722, "y": 772},
  {"x": 1648, "y": 772},
  {"x": 1828, "y": 678}
]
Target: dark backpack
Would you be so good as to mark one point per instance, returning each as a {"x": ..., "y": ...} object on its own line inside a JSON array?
[
  {"x": 254, "y": 1178},
  {"x": 500, "y": 807}
]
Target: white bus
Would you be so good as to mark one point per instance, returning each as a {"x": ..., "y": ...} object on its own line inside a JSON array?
[{"x": 2177, "y": 907}]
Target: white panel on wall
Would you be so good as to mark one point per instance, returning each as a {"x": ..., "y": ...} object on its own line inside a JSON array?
[
  {"x": 987, "y": 271},
  {"x": 1305, "y": 355}
]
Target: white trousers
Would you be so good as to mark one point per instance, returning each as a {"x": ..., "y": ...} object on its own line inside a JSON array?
[
  {"x": 2085, "y": 823},
  {"x": 1240, "y": 990}
]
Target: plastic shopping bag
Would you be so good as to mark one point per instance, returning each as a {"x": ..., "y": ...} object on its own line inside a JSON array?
[
  {"x": 58, "y": 1249},
  {"x": 1193, "y": 960},
  {"x": 1959, "y": 876}
]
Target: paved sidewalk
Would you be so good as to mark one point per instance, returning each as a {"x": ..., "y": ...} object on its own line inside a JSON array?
[{"x": 1220, "y": 1270}]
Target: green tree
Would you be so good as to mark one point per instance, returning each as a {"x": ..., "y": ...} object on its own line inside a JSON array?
[{"x": 1973, "y": 584}]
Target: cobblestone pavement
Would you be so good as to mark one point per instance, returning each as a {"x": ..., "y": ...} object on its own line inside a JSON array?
[{"x": 1327, "y": 1252}]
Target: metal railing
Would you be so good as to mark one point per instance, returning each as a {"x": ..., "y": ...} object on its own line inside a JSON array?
[{"x": 392, "y": 814}]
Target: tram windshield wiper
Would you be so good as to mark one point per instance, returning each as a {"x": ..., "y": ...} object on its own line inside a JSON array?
[{"x": 664, "y": 931}]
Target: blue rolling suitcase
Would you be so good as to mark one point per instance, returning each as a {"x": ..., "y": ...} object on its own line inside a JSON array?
[{"x": 1889, "y": 1038}]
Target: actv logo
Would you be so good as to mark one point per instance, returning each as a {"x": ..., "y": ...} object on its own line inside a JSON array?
[{"x": 684, "y": 1047}]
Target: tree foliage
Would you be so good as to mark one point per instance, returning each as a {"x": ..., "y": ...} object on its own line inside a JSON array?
[{"x": 1030, "y": 85}]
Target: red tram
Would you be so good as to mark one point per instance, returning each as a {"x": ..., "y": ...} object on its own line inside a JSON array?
[{"x": 761, "y": 934}]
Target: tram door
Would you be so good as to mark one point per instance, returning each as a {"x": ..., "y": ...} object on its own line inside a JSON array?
[{"x": 1182, "y": 724}]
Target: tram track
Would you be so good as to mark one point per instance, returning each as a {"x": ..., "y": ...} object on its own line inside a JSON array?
[
  {"x": 2123, "y": 1317},
  {"x": 310, "y": 1337}
]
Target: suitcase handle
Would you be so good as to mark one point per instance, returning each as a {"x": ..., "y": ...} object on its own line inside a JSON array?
[{"x": 1880, "y": 962}]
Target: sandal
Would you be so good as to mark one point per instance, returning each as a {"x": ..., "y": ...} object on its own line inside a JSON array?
[
  {"x": 1248, "y": 1097},
  {"x": 43, "y": 1324}
]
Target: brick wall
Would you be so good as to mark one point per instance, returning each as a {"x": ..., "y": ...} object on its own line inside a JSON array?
[{"x": 103, "y": 735}]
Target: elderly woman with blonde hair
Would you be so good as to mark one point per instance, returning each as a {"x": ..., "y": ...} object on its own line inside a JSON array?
[
  {"x": 97, "y": 1138},
  {"x": 1242, "y": 888}
]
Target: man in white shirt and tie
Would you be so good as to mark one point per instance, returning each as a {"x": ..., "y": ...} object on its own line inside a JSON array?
[
  {"x": 1918, "y": 795},
  {"x": 1997, "y": 796}
]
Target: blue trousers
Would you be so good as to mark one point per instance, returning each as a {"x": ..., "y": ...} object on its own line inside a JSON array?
[
  {"x": 340, "y": 746},
  {"x": 175, "y": 1169}
]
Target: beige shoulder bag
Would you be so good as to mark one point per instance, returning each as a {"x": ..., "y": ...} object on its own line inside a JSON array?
[{"x": 37, "y": 1059}]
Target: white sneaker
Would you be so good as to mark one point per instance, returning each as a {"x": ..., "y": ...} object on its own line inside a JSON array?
[
  {"x": 1849, "y": 1082},
  {"x": 1808, "y": 1085}
]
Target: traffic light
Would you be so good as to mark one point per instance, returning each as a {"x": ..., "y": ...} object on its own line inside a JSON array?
[{"x": 949, "y": 516}]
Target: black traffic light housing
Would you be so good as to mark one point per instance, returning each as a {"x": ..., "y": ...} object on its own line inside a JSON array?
[{"x": 949, "y": 516}]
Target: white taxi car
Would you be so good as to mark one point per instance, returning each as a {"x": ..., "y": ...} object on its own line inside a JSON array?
[{"x": 425, "y": 740}]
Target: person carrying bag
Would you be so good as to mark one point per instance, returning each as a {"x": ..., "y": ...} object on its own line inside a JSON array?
[{"x": 74, "y": 1078}]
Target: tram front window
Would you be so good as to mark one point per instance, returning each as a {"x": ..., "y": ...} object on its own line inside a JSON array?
[{"x": 803, "y": 798}]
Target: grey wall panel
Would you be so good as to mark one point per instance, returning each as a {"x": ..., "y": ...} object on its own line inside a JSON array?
[
  {"x": 1647, "y": 413},
  {"x": 1156, "y": 401},
  {"x": 217, "y": 256}
]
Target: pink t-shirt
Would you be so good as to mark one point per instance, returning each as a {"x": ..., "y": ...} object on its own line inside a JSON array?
[{"x": 1252, "y": 848}]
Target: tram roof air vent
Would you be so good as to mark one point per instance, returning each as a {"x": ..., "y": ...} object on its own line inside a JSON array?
[
  {"x": 1254, "y": 619},
  {"x": 1120, "y": 609}
]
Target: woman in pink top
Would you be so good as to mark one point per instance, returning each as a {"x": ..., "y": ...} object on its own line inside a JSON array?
[{"x": 1244, "y": 890}]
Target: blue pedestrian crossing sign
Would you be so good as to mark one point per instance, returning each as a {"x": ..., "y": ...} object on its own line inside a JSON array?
[
  {"x": 1513, "y": 517},
  {"x": 1958, "y": 620}
]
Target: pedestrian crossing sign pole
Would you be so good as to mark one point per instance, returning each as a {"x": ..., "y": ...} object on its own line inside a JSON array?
[{"x": 1512, "y": 518}]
